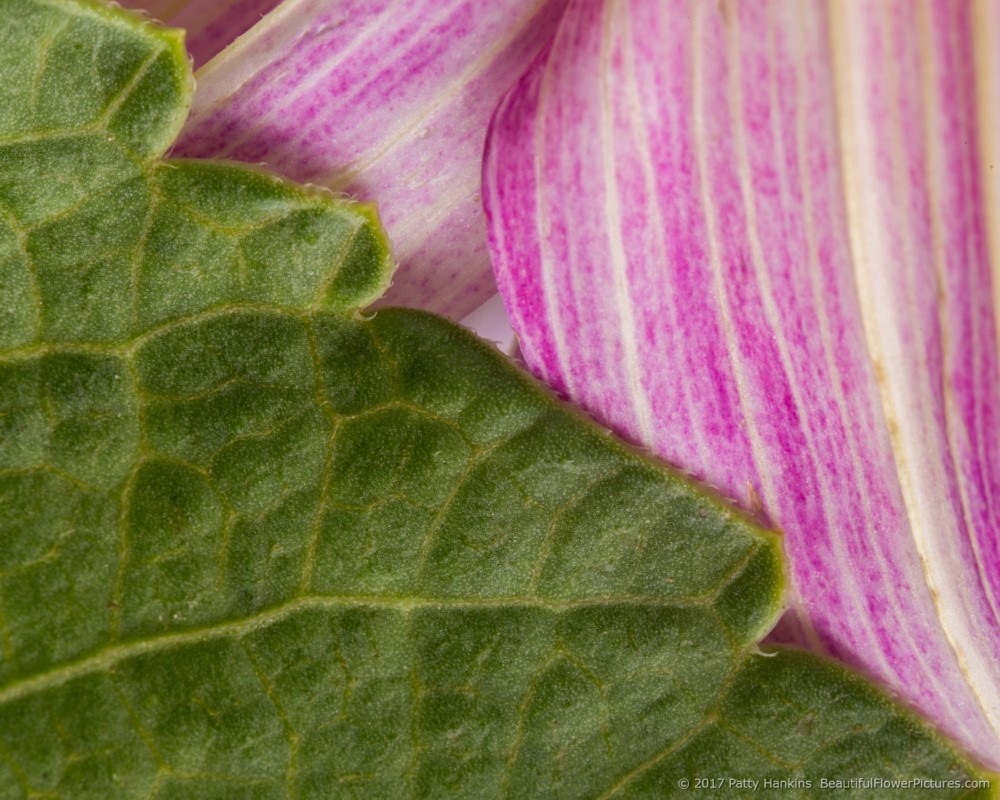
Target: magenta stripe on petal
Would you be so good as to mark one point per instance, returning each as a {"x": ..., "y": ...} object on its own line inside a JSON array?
[
  {"x": 387, "y": 102},
  {"x": 705, "y": 220}
]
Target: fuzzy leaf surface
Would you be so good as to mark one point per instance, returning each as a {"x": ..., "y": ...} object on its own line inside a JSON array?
[{"x": 255, "y": 545}]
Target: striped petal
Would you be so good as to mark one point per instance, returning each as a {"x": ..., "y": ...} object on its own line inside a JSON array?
[
  {"x": 986, "y": 23},
  {"x": 211, "y": 26},
  {"x": 384, "y": 101},
  {"x": 751, "y": 237},
  {"x": 906, "y": 88}
]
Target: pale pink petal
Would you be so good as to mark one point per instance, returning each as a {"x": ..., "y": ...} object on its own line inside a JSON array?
[
  {"x": 986, "y": 28},
  {"x": 490, "y": 322},
  {"x": 383, "y": 101}
]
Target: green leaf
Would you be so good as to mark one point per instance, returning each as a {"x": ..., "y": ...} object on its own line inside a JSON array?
[{"x": 253, "y": 545}]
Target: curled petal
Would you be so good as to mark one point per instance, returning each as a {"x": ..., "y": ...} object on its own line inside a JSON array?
[
  {"x": 692, "y": 246},
  {"x": 913, "y": 176}
]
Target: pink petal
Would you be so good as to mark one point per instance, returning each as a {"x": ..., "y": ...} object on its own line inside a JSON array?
[
  {"x": 906, "y": 88},
  {"x": 675, "y": 228},
  {"x": 386, "y": 102},
  {"x": 211, "y": 26}
]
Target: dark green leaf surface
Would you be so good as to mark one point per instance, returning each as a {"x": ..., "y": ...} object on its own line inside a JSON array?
[{"x": 253, "y": 545}]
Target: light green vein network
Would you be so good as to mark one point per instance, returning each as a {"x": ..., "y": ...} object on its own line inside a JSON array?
[{"x": 254, "y": 545}]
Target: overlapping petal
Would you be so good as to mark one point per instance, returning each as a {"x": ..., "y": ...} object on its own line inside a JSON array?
[
  {"x": 754, "y": 238},
  {"x": 382, "y": 101},
  {"x": 210, "y": 26}
]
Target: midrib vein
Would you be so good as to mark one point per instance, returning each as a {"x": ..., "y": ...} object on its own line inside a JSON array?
[{"x": 108, "y": 657}]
